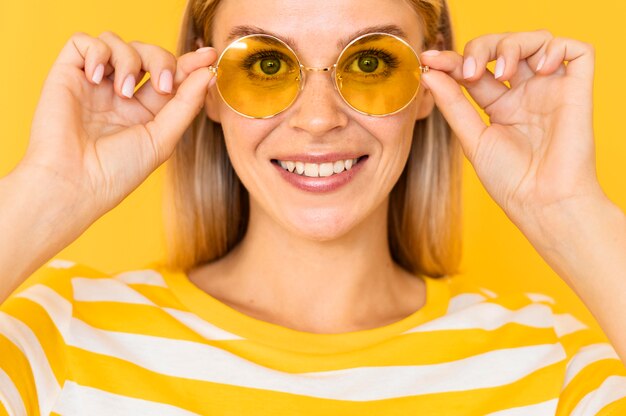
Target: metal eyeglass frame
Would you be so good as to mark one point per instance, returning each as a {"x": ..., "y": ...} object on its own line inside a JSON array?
[{"x": 424, "y": 69}]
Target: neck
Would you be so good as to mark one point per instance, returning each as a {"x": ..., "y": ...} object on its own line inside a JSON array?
[{"x": 342, "y": 285}]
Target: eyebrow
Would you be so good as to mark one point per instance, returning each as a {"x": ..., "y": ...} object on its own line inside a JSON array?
[{"x": 245, "y": 30}]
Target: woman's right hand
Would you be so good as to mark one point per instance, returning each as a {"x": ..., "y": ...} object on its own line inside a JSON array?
[{"x": 90, "y": 138}]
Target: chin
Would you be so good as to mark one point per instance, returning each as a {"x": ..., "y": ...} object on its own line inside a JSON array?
[{"x": 320, "y": 225}]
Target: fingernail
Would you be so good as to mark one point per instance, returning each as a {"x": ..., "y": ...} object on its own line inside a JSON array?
[
  {"x": 469, "y": 67},
  {"x": 204, "y": 49},
  {"x": 432, "y": 52},
  {"x": 98, "y": 73},
  {"x": 541, "y": 62},
  {"x": 166, "y": 81},
  {"x": 499, "y": 67},
  {"x": 128, "y": 88}
]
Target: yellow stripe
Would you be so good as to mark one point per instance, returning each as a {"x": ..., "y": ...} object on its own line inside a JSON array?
[
  {"x": 124, "y": 378},
  {"x": 410, "y": 349},
  {"x": 17, "y": 367},
  {"x": 160, "y": 296},
  {"x": 587, "y": 380},
  {"x": 149, "y": 320},
  {"x": 36, "y": 318},
  {"x": 617, "y": 408},
  {"x": 134, "y": 319}
]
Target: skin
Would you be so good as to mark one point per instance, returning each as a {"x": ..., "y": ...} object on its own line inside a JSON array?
[{"x": 328, "y": 268}]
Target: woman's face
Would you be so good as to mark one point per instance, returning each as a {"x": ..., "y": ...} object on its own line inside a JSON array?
[{"x": 319, "y": 123}]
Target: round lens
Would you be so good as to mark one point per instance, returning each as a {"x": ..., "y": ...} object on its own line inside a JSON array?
[
  {"x": 258, "y": 76},
  {"x": 378, "y": 74}
]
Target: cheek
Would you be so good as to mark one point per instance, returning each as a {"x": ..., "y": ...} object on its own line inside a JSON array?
[
  {"x": 244, "y": 139},
  {"x": 393, "y": 133}
]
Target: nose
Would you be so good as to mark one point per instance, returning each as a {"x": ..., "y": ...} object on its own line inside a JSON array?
[{"x": 319, "y": 108}]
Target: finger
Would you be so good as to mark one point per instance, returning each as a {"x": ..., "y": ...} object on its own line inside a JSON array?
[
  {"x": 484, "y": 90},
  {"x": 126, "y": 62},
  {"x": 161, "y": 65},
  {"x": 185, "y": 65},
  {"x": 508, "y": 49},
  {"x": 171, "y": 122},
  {"x": 580, "y": 57},
  {"x": 457, "y": 110},
  {"x": 524, "y": 73},
  {"x": 85, "y": 52}
]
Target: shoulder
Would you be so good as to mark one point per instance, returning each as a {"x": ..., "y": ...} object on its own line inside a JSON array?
[
  {"x": 490, "y": 308},
  {"x": 63, "y": 281}
]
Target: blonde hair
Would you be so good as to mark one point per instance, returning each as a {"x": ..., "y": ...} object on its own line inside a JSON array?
[{"x": 206, "y": 205}]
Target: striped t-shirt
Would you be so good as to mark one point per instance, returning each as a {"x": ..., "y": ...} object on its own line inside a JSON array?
[{"x": 76, "y": 341}]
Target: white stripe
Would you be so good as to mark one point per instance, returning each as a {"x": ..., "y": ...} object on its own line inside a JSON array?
[
  {"x": 565, "y": 324},
  {"x": 58, "y": 308},
  {"x": 490, "y": 316},
  {"x": 142, "y": 277},
  {"x": 80, "y": 400},
  {"x": 111, "y": 290},
  {"x": 207, "y": 363},
  {"x": 61, "y": 264},
  {"x": 586, "y": 356},
  {"x": 540, "y": 297},
  {"x": 613, "y": 388},
  {"x": 460, "y": 302},
  {"x": 23, "y": 337},
  {"x": 10, "y": 396},
  {"x": 489, "y": 293},
  {"x": 106, "y": 290},
  {"x": 540, "y": 409},
  {"x": 60, "y": 311},
  {"x": 202, "y": 327}
]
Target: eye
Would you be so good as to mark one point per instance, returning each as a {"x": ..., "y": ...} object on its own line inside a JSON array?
[
  {"x": 270, "y": 66},
  {"x": 368, "y": 63},
  {"x": 267, "y": 65},
  {"x": 372, "y": 62}
]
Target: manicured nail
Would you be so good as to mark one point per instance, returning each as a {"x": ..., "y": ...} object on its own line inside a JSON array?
[
  {"x": 98, "y": 73},
  {"x": 469, "y": 67},
  {"x": 432, "y": 52},
  {"x": 204, "y": 49},
  {"x": 541, "y": 62},
  {"x": 166, "y": 81},
  {"x": 499, "y": 67},
  {"x": 128, "y": 88}
]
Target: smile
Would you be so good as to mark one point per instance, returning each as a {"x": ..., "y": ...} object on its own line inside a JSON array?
[
  {"x": 319, "y": 177},
  {"x": 315, "y": 170}
]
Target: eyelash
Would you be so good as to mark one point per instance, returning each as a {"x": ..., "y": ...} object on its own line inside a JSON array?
[
  {"x": 263, "y": 54},
  {"x": 391, "y": 62}
]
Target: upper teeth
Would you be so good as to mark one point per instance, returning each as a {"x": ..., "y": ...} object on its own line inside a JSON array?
[{"x": 315, "y": 170}]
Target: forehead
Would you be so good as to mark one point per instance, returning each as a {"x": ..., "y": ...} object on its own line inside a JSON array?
[{"x": 303, "y": 24}]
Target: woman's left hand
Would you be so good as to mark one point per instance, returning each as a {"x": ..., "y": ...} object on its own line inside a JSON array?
[{"x": 538, "y": 150}]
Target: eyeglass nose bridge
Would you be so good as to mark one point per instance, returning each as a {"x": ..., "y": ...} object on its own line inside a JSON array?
[{"x": 331, "y": 69}]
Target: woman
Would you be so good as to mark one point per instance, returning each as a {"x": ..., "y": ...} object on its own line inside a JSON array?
[{"x": 316, "y": 233}]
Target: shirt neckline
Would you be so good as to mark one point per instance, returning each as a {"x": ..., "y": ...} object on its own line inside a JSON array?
[{"x": 231, "y": 320}]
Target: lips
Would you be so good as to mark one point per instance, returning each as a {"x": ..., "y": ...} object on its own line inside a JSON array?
[
  {"x": 314, "y": 170},
  {"x": 319, "y": 158},
  {"x": 310, "y": 179}
]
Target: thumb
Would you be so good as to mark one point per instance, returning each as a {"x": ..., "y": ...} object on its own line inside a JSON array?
[
  {"x": 458, "y": 111},
  {"x": 171, "y": 122}
]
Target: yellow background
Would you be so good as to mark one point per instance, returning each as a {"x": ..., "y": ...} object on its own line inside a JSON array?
[{"x": 496, "y": 253}]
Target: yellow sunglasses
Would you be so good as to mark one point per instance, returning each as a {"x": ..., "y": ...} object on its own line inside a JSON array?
[{"x": 260, "y": 76}]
